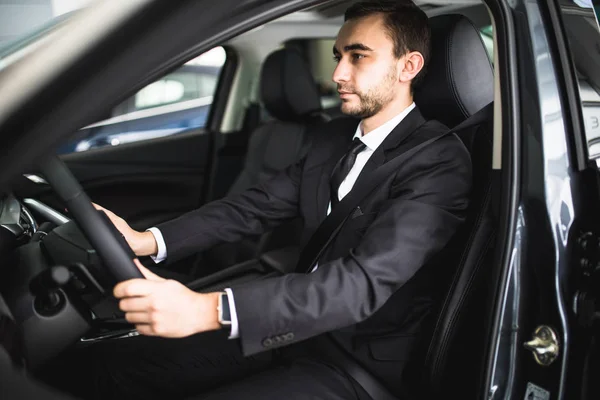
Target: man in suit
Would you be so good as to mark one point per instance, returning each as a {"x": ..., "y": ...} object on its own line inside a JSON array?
[{"x": 373, "y": 287}]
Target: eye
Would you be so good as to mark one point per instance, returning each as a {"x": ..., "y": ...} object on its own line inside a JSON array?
[
  {"x": 336, "y": 58},
  {"x": 357, "y": 56}
]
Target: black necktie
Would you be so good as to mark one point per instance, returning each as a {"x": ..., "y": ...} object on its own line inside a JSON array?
[{"x": 342, "y": 168}]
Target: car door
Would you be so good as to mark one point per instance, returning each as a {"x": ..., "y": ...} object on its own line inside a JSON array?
[
  {"x": 151, "y": 158},
  {"x": 545, "y": 329},
  {"x": 582, "y": 34}
]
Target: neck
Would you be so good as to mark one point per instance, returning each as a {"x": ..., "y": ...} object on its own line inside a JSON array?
[{"x": 388, "y": 112}]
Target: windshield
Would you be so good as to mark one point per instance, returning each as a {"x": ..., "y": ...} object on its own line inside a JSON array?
[{"x": 25, "y": 24}]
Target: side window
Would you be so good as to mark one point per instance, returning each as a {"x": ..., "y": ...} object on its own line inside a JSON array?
[
  {"x": 178, "y": 102},
  {"x": 188, "y": 83},
  {"x": 488, "y": 40}
]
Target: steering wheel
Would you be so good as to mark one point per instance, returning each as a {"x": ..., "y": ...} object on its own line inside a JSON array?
[{"x": 94, "y": 225}]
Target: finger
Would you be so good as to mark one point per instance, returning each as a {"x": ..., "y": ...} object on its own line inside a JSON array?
[
  {"x": 146, "y": 272},
  {"x": 133, "y": 288},
  {"x": 138, "y": 318},
  {"x": 111, "y": 215},
  {"x": 98, "y": 207},
  {"x": 133, "y": 304},
  {"x": 145, "y": 329}
]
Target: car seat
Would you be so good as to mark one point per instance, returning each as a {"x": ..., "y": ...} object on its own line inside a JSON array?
[{"x": 291, "y": 97}]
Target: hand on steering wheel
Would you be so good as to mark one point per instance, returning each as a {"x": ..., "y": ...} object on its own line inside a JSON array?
[
  {"x": 114, "y": 252},
  {"x": 142, "y": 243}
]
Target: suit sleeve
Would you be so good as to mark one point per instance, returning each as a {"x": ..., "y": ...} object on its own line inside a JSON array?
[
  {"x": 231, "y": 219},
  {"x": 426, "y": 205}
]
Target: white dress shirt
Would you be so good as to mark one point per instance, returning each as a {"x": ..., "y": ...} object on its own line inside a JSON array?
[{"x": 372, "y": 140}]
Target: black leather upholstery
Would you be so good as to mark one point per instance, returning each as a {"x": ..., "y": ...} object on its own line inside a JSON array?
[
  {"x": 290, "y": 95},
  {"x": 458, "y": 84},
  {"x": 272, "y": 147},
  {"x": 288, "y": 89},
  {"x": 459, "y": 79}
]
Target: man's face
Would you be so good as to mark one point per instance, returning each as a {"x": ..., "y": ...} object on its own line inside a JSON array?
[{"x": 366, "y": 74}]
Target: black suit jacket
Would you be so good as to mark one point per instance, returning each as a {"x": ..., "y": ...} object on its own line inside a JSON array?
[{"x": 376, "y": 282}]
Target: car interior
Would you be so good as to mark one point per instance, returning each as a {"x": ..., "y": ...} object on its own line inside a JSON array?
[{"x": 273, "y": 90}]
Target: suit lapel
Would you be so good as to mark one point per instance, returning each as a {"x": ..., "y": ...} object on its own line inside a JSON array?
[
  {"x": 339, "y": 146},
  {"x": 397, "y": 136}
]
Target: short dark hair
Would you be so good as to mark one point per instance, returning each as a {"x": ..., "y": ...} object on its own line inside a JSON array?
[{"x": 406, "y": 24}]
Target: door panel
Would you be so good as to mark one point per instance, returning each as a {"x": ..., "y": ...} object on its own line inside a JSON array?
[{"x": 145, "y": 182}]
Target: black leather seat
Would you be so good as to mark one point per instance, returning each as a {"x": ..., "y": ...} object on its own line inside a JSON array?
[
  {"x": 459, "y": 83},
  {"x": 290, "y": 95}
]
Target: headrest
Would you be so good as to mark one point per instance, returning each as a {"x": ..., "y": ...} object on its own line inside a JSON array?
[
  {"x": 460, "y": 79},
  {"x": 288, "y": 89}
]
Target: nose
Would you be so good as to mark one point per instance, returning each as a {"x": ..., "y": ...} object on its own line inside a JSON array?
[{"x": 341, "y": 73}]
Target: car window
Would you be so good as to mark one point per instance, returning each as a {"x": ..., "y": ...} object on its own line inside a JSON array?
[
  {"x": 176, "y": 103},
  {"x": 581, "y": 26},
  {"x": 188, "y": 83},
  {"x": 487, "y": 35}
]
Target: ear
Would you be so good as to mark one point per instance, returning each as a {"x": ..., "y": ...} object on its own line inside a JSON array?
[{"x": 412, "y": 65}]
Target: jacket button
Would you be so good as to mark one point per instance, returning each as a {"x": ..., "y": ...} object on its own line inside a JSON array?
[{"x": 268, "y": 342}]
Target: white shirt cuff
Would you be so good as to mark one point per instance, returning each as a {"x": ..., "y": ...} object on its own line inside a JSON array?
[
  {"x": 235, "y": 329},
  {"x": 161, "y": 253}
]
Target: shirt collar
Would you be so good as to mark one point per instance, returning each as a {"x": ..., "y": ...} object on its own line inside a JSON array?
[{"x": 374, "y": 138}]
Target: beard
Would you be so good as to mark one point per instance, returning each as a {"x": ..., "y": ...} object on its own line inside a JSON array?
[{"x": 372, "y": 100}]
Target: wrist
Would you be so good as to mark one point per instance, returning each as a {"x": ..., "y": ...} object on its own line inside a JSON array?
[
  {"x": 213, "y": 313},
  {"x": 145, "y": 244}
]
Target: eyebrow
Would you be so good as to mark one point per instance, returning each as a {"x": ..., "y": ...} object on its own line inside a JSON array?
[{"x": 353, "y": 46}]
